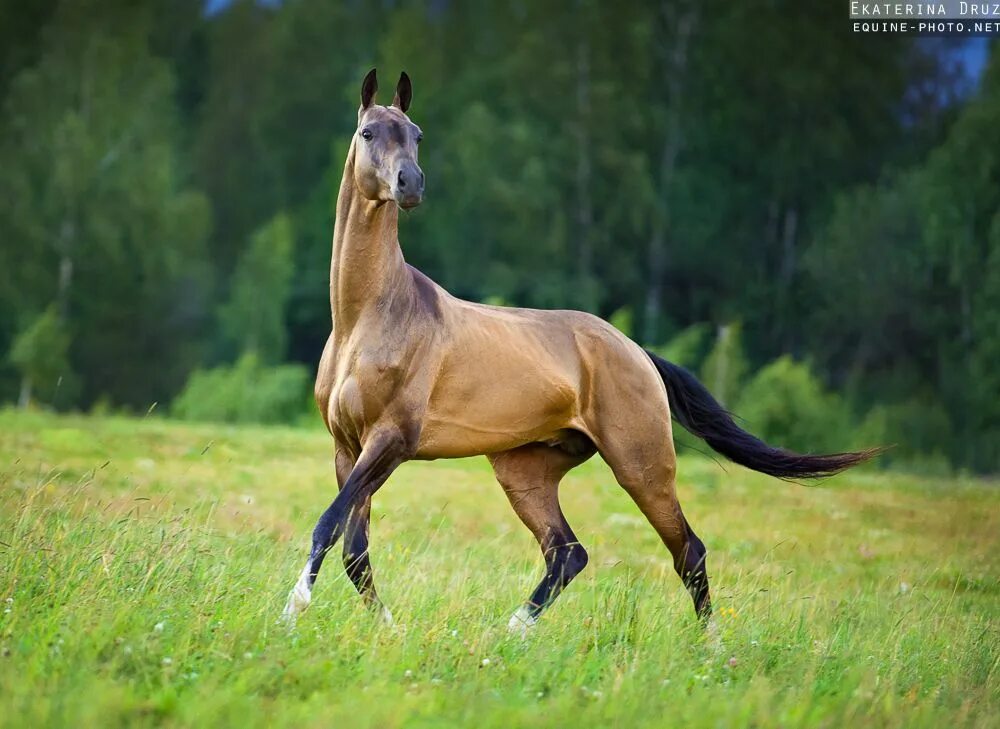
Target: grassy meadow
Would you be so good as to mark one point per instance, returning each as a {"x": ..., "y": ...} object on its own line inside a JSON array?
[{"x": 143, "y": 565}]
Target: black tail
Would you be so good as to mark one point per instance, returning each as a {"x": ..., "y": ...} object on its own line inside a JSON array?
[{"x": 694, "y": 407}]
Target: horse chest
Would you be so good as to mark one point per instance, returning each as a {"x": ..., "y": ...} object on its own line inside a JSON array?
[{"x": 364, "y": 387}]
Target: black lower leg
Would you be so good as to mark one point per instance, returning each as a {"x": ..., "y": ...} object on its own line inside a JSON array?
[
  {"x": 325, "y": 535},
  {"x": 377, "y": 461},
  {"x": 694, "y": 573},
  {"x": 563, "y": 561},
  {"x": 356, "y": 561}
]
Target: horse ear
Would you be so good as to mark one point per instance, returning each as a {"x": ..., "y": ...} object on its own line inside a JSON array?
[
  {"x": 404, "y": 93},
  {"x": 368, "y": 88}
]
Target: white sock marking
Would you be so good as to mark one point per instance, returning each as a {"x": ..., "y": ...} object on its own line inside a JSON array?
[
  {"x": 299, "y": 597},
  {"x": 521, "y": 621}
]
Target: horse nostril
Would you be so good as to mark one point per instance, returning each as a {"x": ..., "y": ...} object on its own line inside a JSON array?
[
  {"x": 401, "y": 181},
  {"x": 421, "y": 178}
]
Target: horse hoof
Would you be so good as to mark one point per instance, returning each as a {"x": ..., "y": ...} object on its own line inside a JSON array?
[
  {"x": 298, "y": 599},
  {"x": 713, "y": 636},
  {"x": 296, "y": 604},
  {"x": 521, "y": 622}
]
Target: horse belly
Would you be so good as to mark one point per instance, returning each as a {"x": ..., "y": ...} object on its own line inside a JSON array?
[{"x": 481, "y": 414}]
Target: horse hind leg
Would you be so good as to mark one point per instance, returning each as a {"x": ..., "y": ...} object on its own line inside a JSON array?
[
  {"x": 530, "y": 477},
  {"x": 648, "y": 475}
]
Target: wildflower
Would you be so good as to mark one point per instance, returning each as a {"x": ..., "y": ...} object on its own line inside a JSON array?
[
  {"x": 486, "y": 662},
  {"x": 167, "y": 660},
  {"x": 158, "y": 628},
  {"x": 732, "y": 662},
  {"x": 408, "y": 673}
]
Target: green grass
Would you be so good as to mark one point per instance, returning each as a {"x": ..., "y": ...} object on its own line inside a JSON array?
[{"x": 143, "y": 565}]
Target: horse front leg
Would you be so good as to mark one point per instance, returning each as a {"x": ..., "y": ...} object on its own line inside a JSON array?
[
  {"x": 380, "y": 456},
  {"x": 357, "y": 562}
]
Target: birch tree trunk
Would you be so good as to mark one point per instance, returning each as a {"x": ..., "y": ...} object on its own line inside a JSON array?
[{"x": 679, "y": 23}]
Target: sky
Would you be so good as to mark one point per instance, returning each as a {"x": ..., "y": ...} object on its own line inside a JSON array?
[{"x": 974, "y": 54}]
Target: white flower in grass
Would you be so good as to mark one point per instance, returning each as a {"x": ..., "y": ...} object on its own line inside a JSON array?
[
  {"x": 167, "y": 660},
  {"x": 486, "y": 662},
  {"x": 158, "y": 628}
]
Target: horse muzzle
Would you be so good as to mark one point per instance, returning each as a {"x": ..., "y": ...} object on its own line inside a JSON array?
[{"x": 409, "y": 188}]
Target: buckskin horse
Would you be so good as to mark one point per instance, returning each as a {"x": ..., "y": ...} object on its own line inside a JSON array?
[{"x": 411, "y": 372}]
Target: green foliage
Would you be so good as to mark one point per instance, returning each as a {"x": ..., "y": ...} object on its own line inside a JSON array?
[
  {"x": 253, "y": 319},
  {"x": 495, "y": 301},
  {"x": 913, "y": 430},
  {"x": 786, "y": 405},
  {"x": 687, "y": 348},
  {"x": 39, "y": 353},
  {"x": 622, "y": 320},
  {"x": 726, "y": 367},
  {"x": 907, "y": 275},
  {"x": 169, "y": 179},
  {"x": 93, "y": 212},
  {"x": 246, "y": 392}
]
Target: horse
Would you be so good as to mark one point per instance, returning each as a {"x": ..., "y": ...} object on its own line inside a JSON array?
[{"x": 409, "y": 372}]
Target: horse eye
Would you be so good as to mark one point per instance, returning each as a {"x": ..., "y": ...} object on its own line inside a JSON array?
[{"x": 366, "y": 135}]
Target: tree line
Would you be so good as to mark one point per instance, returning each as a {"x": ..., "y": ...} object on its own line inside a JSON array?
[{"x": 787, "y": 208}]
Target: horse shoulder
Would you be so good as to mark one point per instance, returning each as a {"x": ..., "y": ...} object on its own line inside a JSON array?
[{"x": 324, "y": 381}]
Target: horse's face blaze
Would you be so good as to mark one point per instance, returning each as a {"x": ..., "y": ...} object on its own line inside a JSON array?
[{"x": 385, "y": 165}]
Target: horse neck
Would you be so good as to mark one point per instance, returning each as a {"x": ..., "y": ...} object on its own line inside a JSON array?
[{"x": 367, "y": 265}]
